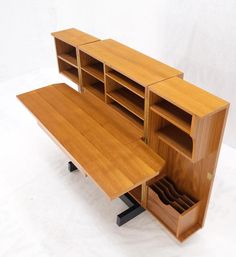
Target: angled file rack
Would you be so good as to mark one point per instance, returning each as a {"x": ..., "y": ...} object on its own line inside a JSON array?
[{"x": 139, "y": 130}]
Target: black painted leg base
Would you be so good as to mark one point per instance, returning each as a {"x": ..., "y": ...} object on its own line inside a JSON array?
[
  {"x": 134, "y": 210},
  {"x": 71, "y": 166}
]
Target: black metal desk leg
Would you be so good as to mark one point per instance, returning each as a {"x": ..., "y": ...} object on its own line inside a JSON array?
[
  {"x": 134, "y": 209},
  {"x": 71, "y": 166}
]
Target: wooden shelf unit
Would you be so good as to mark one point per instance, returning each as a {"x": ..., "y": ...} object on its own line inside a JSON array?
[
  {"x": 93, "y": 85},
  {"x": 68, "y": 70},
  {"x": 67, "y": 43},
  {"x": 92, "y": 75},
  {"x": 185, "y": 127},
  {"x": 113, "y": 64},
  {"x": 180, "y": 122}
]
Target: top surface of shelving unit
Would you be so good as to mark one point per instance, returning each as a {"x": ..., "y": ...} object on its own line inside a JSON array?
[
  {"x": 98, "y": 139},
  {"x": 131, "y": 63},
  {"x": 189, "y": 97},
  {"x": 74, "y": 37}
]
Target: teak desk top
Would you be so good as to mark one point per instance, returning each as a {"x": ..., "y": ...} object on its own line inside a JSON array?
[
  {"x": 131, "y": 63},
  {"x": 74, "y": 37},
  {"x": 98, "y": 139}
]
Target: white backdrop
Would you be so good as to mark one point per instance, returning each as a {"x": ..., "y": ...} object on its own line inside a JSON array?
[{"x": 197, "y": 37}]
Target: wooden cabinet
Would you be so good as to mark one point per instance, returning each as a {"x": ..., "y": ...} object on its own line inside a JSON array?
[{"x": 185, "y": 127}]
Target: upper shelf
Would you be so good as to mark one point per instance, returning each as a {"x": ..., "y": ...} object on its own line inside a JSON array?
[
  {"x": 173, "y": 114},
  {"x": 69, "y": 58},
  {"x": 141, "y": 68},
  {"x": 126, "y": 82},
  {"x": 129, "y": 101},
  {"x": 96, "y": 70},
  {"x": 188, "y": 97}
]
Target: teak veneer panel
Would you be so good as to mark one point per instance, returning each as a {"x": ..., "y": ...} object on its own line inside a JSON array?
[
  {"x": 74, "y": 37},
  {"x": 115, "y": 167},
  {"x": 188, "y": 97},
  {"x": 131, "y": 63}
]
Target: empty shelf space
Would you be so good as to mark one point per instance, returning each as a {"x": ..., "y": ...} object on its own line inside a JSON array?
[
  {"x": 71, "y": 74},
  {"x": 128, "y": 115},
  {"x": 126, "y": 82},
  {"x": 97, "y": 89},
  {"x": 69, "y": 58},
  {"x": 128, "y": 100},
  {"x": 177, "y": 139},
  {"x": 96, "y": 70},
  {"x": 173, "y": 114},
  {"x": 136, "y": 193}
]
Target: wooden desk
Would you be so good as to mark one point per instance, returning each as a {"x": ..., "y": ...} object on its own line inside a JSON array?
[{"x": 98, "y": 139}]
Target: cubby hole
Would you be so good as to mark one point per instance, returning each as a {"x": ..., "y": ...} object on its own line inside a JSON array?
[
  {"x": 162, "y": 129},
  {"x": 139, "y": 123},
  {"x": 172, "y": 113},
  {"x": 66, "y": 52},
  {"x": 69, "y": 71},
  {"x": 93, "y": 85},
  {"x": 92, "y": 66},
  {"x": 124, "y": 97},
  {"x": 126, "y": 82}
]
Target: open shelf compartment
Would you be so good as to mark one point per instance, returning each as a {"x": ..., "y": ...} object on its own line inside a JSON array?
[
  {"x": 125, "y": 97},
  {"x": 127, "y": 83},
  {"x": 176, "y": 210},
  {"x": 162, "y": 129},
  {"x": 93, "y": 85},
  {"x": 92, "y": 66},
  {"x": 139, "y": 123},
  {"x": 69, "y": 71},
  {"x": 173, "y": 114},
  {"x": 66, "y": 52}
]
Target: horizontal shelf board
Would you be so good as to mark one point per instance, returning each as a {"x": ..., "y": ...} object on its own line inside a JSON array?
[
  {"x": 177, "y": 139},
  {"x": 126, "y": 82},
  {"x": 128, "y": 115},
  {"x": 72, "y": 74},
  {"x": 97, "y": 89},
  {"x": 131, "y": 102},
  {"x": 69, "y": 59},
  {"x": 173, "y": 114},
  {"x": 96, "y": 70}
]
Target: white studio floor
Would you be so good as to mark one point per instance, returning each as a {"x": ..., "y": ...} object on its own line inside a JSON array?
[{"x": 47, "y": 211}]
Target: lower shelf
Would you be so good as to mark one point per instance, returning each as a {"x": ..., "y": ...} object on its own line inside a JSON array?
[
  {"x": 130, "y": 116},
  {"x": 97, "y": 89},
  {"x": 177, "y": 211},
  {"x": 71, "y": 74}
]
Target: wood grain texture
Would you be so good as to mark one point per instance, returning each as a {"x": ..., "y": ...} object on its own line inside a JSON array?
[
  {"x": 136, "y": 66},
  {"x": 188, "y": 97},
  {"x": 74, "y": 37},
  {"x": 191, "y": 156},
  {"x": 108, "y": 161}
]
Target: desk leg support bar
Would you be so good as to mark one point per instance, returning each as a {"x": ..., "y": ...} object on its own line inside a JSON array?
[{"x": 134, "y": 209}]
